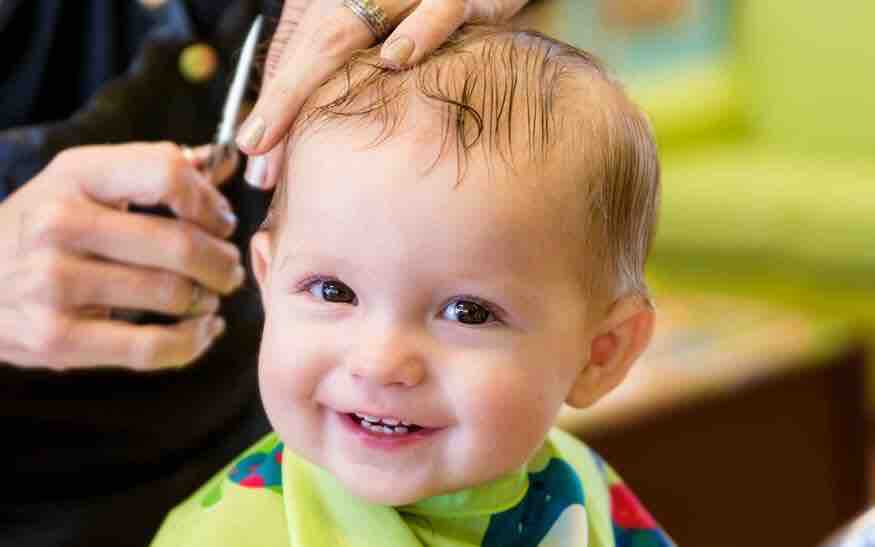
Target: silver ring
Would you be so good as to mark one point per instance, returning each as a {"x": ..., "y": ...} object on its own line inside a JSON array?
[{"x": 372, "y": 15}]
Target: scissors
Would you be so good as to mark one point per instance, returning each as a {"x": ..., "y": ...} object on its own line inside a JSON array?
[
  {"x": 223, "y": 145},
  {"x": 222, "y": 148}
]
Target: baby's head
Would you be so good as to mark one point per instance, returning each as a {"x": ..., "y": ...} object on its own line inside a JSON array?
[{"x": 456, "y": 249}]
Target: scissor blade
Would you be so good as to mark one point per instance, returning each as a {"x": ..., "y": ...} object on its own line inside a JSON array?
[{"x": 238, "y": 86}]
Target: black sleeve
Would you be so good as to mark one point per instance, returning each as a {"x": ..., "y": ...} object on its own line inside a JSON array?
[{"x": 107, "y": 72}]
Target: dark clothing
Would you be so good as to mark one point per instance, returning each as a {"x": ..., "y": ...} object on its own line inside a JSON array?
[{"x": 96, "y": 457}]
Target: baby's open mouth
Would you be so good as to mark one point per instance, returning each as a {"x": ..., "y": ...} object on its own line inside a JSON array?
[{"x": 386, "y": 426}]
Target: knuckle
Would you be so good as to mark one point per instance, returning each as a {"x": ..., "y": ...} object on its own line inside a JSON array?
[
  {"x": 167, "y": 149},
  {"x": 185, "y": 244},
  {"x": 456, "y": 9},
  {"x": 51, "y": 222},
  {"x": 65, "y": 159},
  {"x": 173, "y": 165},
  {"x": 334, "y": 39},
  {"x": 172, "y": 292},
  {"x": 50, "y": 341},
  {"x": 50, "y": 276}
]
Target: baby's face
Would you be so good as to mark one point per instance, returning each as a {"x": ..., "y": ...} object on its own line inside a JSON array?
[{"x": 449, "y": 314}]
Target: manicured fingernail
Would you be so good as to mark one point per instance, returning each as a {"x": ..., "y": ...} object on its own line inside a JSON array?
[
  {"x": 238, "y": 276},
  {"x": 251, "y": 132},
  {"x": 229, "y": 218},
  {"x": 207, "y": 303},
  {"x": 398, "y": 51},
  {"x": 256, "y": 171},
  {"x": 217, "y": 326},
  {"x": 225, "y": 214}
]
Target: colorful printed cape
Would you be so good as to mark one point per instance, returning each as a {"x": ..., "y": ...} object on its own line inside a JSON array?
[{"x": 565, "y": 497}]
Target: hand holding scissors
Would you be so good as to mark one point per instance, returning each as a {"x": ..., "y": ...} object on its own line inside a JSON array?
[{"x": 74, "y": 252}]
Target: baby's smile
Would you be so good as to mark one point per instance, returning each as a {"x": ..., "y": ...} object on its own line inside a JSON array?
[
  {"x": 383, "y": 433},
  {"x": 388, "y": 426}
]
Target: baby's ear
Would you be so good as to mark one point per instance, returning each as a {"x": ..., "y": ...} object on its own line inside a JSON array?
[
  {"x": 620, "y": 339},
  {"x": 261, "y": 253}
]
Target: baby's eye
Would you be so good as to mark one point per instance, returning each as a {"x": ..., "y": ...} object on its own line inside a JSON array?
[
  {"x": 468, "y": 312},
  {"x": 332, "y": 290}
]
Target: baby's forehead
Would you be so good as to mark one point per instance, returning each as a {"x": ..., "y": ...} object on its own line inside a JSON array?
[
  {"x": 335, "y": 172},
  {"x": 416, "y": 155}
]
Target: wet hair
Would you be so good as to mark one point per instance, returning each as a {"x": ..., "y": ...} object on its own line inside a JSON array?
[{"x": 525, "y": 98}]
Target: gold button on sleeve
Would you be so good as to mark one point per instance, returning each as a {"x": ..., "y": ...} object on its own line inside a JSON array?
[{"x": 198, "y": 63}]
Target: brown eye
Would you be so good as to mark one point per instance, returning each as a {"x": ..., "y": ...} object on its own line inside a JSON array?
[
  {"x": 468, "y": 312},
  {"x": 332, "y": 290}
]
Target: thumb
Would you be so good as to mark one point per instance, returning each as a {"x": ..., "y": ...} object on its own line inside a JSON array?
[
  {"x": 421, "y": 32},
  {"x": 293, "y": 12}
]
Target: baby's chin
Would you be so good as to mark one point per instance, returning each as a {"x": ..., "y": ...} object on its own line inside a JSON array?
[{"x": 385, "y": 488}]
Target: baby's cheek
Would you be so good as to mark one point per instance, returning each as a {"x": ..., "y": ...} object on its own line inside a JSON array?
[
  {"x": 292, "y": 360},
  {"x": 510, "y": 410}
]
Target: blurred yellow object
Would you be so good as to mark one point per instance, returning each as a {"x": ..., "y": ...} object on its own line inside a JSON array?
[
  {"x": 766, "y": 146},
  {"x": 198, "y": 63}
]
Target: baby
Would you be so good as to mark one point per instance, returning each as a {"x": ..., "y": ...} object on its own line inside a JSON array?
[{"x": 456, "y": 250}]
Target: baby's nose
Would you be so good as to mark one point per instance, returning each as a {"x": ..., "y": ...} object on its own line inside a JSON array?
[{"x": 392, "y": 359}]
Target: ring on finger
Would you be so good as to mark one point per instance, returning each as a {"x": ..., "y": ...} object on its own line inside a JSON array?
[
  {"x": 197, "y": 293},
  {"x": 374, "y": 16}
]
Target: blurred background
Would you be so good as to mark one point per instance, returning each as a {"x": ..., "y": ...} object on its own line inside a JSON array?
[{"x": 749, "y": 421}]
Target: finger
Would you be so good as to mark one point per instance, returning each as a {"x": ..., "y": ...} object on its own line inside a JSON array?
[
  {"x": 147, "y": 175},
  {"x": 275, "y": 165},
  {"x": 321, "y": 43},
  {"x": 200, "y": 158},
  {"x": 227, "y": 167},
  {"x": 264, "y": 171},
  {"x": 141, "y": 347},
  {"x": 292, "y": 14},
  {"x": 143, "y": 240},
  {"x": 89, "y": 283},
  {"x": 494, "y": 11},
  {"x": 421, "y": 32}
]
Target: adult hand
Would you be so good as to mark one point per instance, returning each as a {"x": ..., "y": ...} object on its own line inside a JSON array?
[
  {"x": 70, "y": 251},
  {"x": 315, "y": 37}
]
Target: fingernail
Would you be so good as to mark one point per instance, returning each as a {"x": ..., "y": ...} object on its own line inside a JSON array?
[
  {"x": 229, "y": 218},
  {"x": 238, "y": 276},
  {"x": 251, "y": 132},
  {"x": 256, "y": 171},
  {"x": 207, "y": 303},
  {"x": 226, "y": 214},
  {"x": 398, "y": 51},
  {"x": 217, "y": 326}
]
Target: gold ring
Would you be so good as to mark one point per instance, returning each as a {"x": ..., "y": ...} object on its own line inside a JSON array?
[
  {"x": 197, "y": 293},
  {"x": 372, "y": 15}
]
